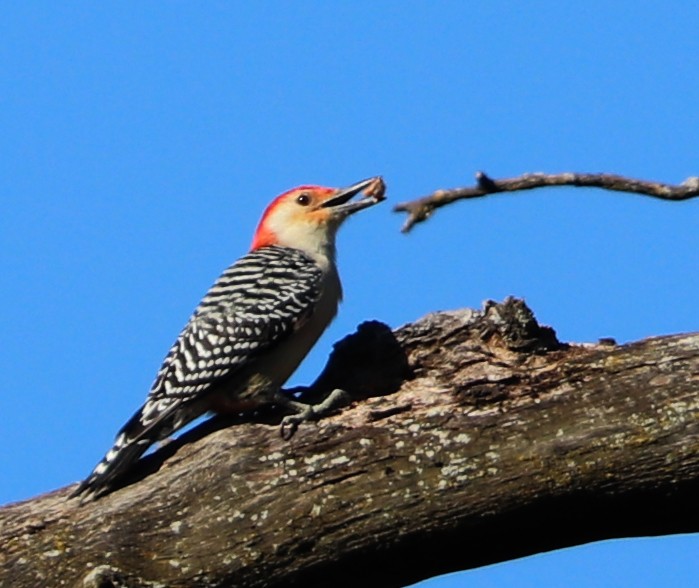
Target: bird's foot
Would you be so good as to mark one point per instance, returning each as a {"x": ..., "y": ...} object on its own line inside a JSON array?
[{"x": 311, "y": 412}]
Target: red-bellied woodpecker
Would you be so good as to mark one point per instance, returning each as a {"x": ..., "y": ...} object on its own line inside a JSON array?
[{"x": 252, "y": 328}]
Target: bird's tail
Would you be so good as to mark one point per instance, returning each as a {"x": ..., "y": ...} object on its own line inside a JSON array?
[
  {"x": 129, "y": 445},
  {"x": 132, "y": 441}
]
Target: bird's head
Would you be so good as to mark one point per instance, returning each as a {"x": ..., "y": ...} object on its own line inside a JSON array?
[{"x": 307, "y": 217}]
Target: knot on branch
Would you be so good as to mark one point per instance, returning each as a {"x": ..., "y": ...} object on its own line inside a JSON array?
[
  {"x": 510, "y": 324},
  {"x": 516, "y": 326},
  {"x": 486, "y": 183}
]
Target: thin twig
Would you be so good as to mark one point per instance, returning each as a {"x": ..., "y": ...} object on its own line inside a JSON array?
[{"x": 420, "y": 209}]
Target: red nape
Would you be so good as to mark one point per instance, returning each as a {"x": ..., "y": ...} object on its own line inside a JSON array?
[{"x": 264, "y": 236}]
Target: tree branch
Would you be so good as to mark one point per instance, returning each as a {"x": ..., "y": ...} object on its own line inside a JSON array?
[
  {"x": 476, "y": 437},
  {"x": 422, "y": 208}
]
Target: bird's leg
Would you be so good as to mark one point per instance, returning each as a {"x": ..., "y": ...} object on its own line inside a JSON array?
[{"x": 309, "y": 412}]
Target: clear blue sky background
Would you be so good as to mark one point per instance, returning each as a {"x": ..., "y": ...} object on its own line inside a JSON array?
[{"x": 139, "y": 143}]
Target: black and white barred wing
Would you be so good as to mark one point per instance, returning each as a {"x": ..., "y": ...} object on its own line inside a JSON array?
[
  {"x": 261, "y": 299},
  {"x": 258, "y": 301}
]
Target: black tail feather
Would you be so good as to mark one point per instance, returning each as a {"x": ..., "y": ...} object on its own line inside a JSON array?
[{"x": 132, "y": 441}]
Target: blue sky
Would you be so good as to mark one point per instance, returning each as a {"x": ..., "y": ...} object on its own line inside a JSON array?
[{"x": 141, "y": 141}]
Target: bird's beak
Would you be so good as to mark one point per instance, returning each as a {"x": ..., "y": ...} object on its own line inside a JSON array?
[{"x": 340, "y": 203}]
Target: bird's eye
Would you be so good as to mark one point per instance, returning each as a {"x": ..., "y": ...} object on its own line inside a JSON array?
[{"x": 303, "y": 199}]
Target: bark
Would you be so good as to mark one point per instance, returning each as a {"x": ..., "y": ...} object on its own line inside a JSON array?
[{"x": 475, "y": 437}]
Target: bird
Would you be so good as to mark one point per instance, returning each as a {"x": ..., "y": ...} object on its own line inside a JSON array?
[{"x": 251, "y": 330}]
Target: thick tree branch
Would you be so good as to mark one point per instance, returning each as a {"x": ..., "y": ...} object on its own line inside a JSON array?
[
  {"x": 476, "y": 437},
  {"x": 422, "y": 208}
]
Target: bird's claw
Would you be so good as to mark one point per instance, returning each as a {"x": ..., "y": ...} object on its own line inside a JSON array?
[{"x": 312, "y": 412}]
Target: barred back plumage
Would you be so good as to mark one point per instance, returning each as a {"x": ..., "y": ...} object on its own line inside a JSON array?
[{"x": 258, "y": 301}]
